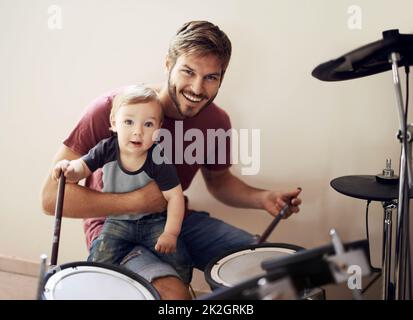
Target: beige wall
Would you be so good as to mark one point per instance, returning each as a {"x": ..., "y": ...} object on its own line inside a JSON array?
[{"x": 311, "y": 131}]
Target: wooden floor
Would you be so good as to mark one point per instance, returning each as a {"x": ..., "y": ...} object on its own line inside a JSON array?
[{"x": 18, "y": 279}]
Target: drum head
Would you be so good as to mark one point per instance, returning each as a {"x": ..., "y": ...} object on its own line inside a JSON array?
[
  {"x": 245, "y": 263},
  {"x": 96, "y": 281}
]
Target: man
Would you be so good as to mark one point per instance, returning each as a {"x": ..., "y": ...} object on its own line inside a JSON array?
[{"x": 197, "y": 59}]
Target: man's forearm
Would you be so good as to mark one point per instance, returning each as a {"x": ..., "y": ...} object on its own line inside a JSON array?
[
  {"x": 234, "y": 192},
  {"x": 82, "y": 202}
]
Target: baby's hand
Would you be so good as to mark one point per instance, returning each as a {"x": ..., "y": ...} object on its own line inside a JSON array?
[
  {"x": 166, "y": 243},
  {"x": 68, "y": 170}
]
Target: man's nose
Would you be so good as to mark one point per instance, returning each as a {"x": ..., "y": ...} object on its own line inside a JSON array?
[{"x": 197, "y": 86}]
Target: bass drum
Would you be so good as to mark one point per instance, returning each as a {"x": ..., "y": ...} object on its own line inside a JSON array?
[
  {"x": 239, "y": 266},
  {"x": 95, "y": 281}
]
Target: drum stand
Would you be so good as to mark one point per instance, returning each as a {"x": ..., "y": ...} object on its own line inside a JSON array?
[
  {"x": 402, "y": 279},
  {"x": 393, "y": 51},
  {"x": 387, "y": 280}
]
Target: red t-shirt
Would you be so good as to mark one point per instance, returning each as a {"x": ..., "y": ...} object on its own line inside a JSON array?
[{"x": 94, "y": 126}]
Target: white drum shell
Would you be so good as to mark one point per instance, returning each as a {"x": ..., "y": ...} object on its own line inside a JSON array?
[
  {"x": 93, "y": 283},
  {"x": 243, "y": 265}
]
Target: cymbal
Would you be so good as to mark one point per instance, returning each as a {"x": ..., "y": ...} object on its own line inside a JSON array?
[
  {"x": 369, "y": 59},
  {"x": 365, "y": 187}
]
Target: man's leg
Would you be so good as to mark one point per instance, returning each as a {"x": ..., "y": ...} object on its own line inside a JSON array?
[
  {"x": 171, "y": 288},
  {"x": 160, "y": 274},
  {"x": 206, "y": 237}
]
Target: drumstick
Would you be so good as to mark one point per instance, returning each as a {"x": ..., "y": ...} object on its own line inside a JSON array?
[
  {"x": 58, "y": 218},
  {"x": 274, "y": 223}
]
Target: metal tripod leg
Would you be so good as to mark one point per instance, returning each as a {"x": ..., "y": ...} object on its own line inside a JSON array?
[
  {"x": 402, "y": 255},
  {"x": 388, "y": 292}
]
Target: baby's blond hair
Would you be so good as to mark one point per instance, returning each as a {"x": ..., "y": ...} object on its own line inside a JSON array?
[{"x": 132, "y": 95}]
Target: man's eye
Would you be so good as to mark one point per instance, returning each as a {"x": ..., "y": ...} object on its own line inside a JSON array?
[
  {"x": 188, "y": 72},
  {"x": 211, "y": 78}
]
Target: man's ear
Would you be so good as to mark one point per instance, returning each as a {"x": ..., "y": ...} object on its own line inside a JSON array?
[{"x": 168, "y": 64}]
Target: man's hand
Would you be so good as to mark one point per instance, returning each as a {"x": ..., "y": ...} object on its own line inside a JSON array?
[{"x": 274, "y": 201}]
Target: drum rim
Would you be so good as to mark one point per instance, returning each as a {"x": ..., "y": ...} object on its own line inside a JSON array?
[
  {"x": 122, "y": 270},
  {"x": 208, "y": 269}
]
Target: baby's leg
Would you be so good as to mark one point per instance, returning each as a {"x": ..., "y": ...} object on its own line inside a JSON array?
[
  {"x": 113, "y": 244},
  {"x": 151, "y": 228}
]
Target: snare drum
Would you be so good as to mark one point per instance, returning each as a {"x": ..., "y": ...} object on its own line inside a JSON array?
[
  {"x": 244, "y": 264},
  {"x": 96, "y": 281}
]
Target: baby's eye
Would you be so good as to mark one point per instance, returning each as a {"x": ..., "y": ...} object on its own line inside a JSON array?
[
  {"x": 128, "y": 122},
  {"x": 148, "y": 124}
]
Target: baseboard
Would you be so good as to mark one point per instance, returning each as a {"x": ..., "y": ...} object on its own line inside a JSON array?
[{"x": 19, "y": 266}]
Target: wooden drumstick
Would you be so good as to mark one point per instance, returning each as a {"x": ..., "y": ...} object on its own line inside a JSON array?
[
  {"x": 274, "y": 223},
  {"x": 58, "y": 218}
]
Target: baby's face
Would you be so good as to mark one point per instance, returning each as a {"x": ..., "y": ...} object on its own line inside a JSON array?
[{"x": 135, "y": 125}]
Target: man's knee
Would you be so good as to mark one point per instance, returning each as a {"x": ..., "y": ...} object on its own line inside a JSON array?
[{"x": 171, "y": 288}]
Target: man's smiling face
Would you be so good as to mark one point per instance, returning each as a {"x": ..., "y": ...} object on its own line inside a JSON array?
[{"x": 193, "y": 82}]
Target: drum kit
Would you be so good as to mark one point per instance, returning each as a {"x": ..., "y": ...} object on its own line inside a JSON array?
[
  {"x": 252, "y": 272},
  {"x": 395, "y": 50},
  {"x": 268, "y": 271},
  {"x": 87, "y": 280}
]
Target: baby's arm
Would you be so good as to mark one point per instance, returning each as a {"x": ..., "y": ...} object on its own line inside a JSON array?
[
  {"x": 74, "y": 170},
  {"x": 176, "y": 210}
]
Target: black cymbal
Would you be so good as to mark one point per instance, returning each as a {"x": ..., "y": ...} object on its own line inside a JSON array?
[
  {"x": 365, "y": 187},
  {"x": 367, "y": 60}
]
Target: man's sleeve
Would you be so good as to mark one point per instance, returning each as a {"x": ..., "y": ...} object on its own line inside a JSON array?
[
  {"x": 92, "y": 127},
  {"x": 218, "y": 155}
]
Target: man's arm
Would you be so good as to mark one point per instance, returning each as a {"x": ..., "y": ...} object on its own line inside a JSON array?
[
  {"x": 232, "y": 191},
  {"x": 82, "y": 202}
]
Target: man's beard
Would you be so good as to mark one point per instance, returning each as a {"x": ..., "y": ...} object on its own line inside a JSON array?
[{"x": 173, "y": 95}]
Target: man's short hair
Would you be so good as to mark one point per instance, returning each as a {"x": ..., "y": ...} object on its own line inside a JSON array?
[{"x": 203, "y": 38}]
